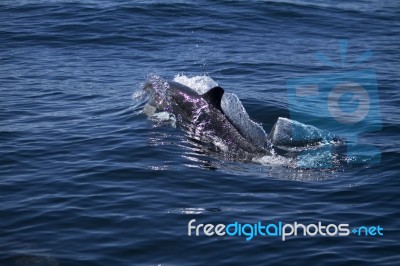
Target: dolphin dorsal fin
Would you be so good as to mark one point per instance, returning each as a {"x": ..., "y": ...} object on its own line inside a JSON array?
[{"x": 214, "y": 96}]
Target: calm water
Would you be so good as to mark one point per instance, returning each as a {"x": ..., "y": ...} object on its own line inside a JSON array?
[{"x": 87, "y": 179}]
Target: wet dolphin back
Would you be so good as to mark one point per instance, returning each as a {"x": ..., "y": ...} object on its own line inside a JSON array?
[
  {"x": 231, "y": 106},
  {"x": 202, "y": 115}
]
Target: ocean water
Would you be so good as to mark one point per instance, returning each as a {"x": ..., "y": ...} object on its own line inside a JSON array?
[{"x": 87, "y": 179}]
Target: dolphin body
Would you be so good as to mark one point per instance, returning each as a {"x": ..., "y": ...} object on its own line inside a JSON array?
[
  {"x": 213, "y": 128},
  {"x": 203, "y": 119}
]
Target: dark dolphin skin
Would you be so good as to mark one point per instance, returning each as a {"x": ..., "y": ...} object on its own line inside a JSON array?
[
  {"x": 209, "y": 129},
  {"x": 202, "y": 118}
]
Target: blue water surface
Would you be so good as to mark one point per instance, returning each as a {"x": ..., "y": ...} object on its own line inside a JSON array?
[{"x": 87, "y": 179}]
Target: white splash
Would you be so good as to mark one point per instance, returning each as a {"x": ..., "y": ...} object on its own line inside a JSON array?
[
  {"x": 163, "y": 117},
  {"x": 201, "y": 84},
  {"x": 138, "y": 95},
  {"x": 276, "y": 160}
]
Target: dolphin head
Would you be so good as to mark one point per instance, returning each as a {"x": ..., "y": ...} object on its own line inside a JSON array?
[{"x": 158, "y": 91}]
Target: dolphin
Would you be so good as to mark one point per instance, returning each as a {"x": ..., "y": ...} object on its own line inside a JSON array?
[
  {"x": 203, "y": 119},
  {"x": 211, "y": 126}
]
